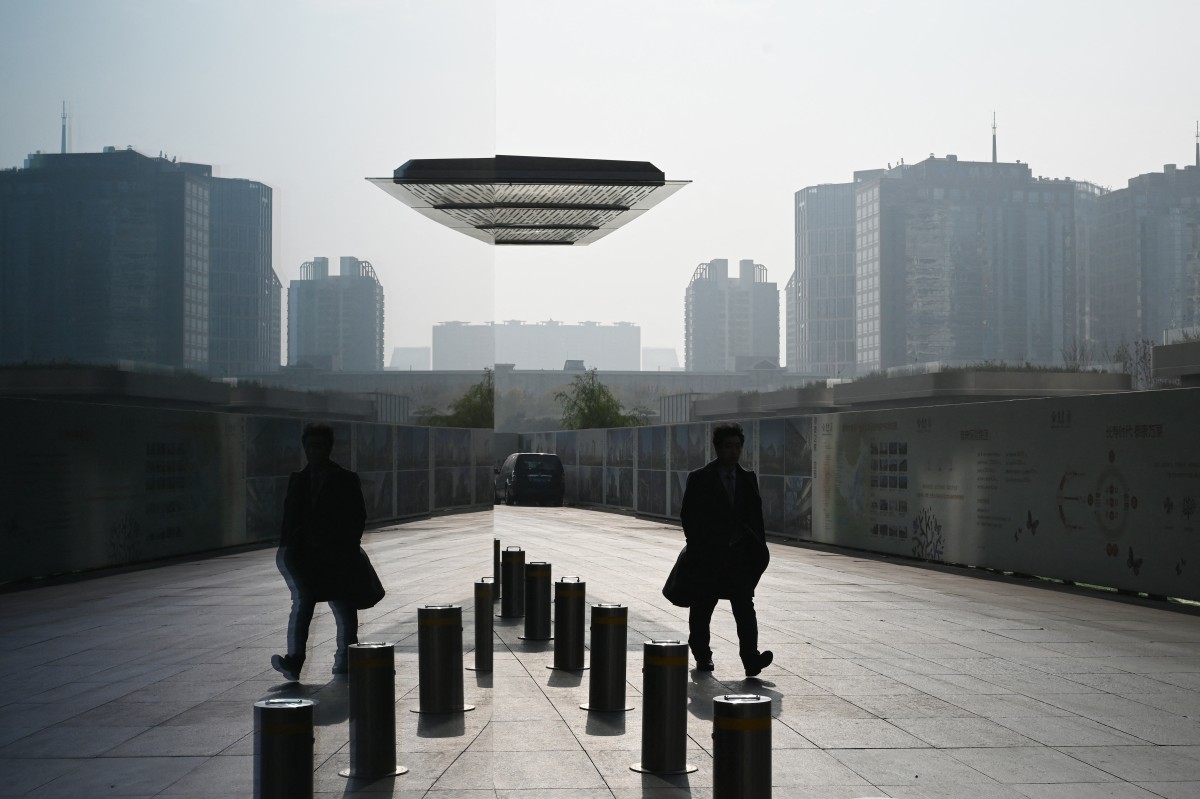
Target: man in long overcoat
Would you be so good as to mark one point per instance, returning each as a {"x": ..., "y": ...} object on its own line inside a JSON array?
[
  {"x": 323, "y": 519},
  {"x": 726, "y": 548}
]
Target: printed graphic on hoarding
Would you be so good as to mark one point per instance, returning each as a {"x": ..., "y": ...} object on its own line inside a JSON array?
[
  {"x": 1089, "y": 489},
  {"x": 564, "y": 445},
  {"x": 620, "y": 447},
  {"x": 652, "y": 492},
  {"x": 652, "y": 447}
]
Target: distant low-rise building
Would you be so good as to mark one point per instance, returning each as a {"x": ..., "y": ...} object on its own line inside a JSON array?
[
  {"x": 537, "y": 345},
  {"x": 410, "y": 359}
]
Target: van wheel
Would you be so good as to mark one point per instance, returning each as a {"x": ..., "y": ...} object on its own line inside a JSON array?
[{"x": 509, "y": 499}]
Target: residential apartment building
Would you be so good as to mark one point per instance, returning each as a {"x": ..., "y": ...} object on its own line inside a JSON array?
[
  {"x": 1146, "y": 258},
  {"x": 335, "y": 322},
  {"x": 730, "y": 323}
]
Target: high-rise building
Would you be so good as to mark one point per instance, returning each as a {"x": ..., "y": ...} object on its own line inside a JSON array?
[
  {"x": 820, "y": 294},
  {"x": 244, "y": 318},
  {"x": 730, "y": 323},
  {"x": 968, "y": 261},
  {"x": 335, "y": 322},
  {"x": 109, "y": 256},
  {"x": 1147, "y": 258}
]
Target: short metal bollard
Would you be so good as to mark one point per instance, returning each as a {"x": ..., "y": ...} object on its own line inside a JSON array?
[
  {"x": 741, "y": 746},
  {"x": 537, "y": 601},
  {"x": 372, "y": 669},
  {"x": 439, "y": 654},
  {"x": 495, "y": 568},
  {"x": 610, "y": 629},
  {"x": 283, "y": 749},
  {"x": 569, "y": 593},
  {"x": 664, "y": 709},
  {"x": 512, "y": 578},
  {"x": 483, "y": 625}
]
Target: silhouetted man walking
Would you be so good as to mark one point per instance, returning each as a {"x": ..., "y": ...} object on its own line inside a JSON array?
[
  {"x": 726, "y": 548},
  {"x": 323, "y": 519}
]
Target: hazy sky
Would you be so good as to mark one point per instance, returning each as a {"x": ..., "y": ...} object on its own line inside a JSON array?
[{"x": 750, "y": 100}]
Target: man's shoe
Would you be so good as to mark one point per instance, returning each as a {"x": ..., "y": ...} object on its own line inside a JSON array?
[
  {"x": 287, "y": 665},
  {"x": 761, "y": 662},
  {"x": 340, "y": 671},
  {"x": 705, "y": 665}
]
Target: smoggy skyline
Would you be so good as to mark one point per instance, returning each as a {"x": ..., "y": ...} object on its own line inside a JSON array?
[{"x": 750, "y": 101}]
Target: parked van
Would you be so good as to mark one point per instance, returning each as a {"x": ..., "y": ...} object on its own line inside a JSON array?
[{"x": 530, "y": 478}]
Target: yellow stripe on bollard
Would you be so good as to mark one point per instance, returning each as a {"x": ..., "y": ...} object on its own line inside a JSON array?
[
  {"x": 437, "y": 622},
  {"x": 742, "y": 724},
  {"x": 663, "y": 660},
  {"x": 610, "y": 620},
  {"x": 285, "y": 729}
]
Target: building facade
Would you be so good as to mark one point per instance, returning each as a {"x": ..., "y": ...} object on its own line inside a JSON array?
[
  {"x": 1147, "y": 258},
  {"x": 335, "y": 322},
  {"x": 537, "y": 345},
  {"x": 730, "y": 323},
  {"x": 820, "y": 295},
  {"x": 959, "y": 261},
  {"x": 108, "y": 257},
  {"x": 244, "y": 319}
]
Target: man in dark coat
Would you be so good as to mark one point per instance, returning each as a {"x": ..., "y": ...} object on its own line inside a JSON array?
[
  {"x": 726, "y": 548},
  {"x": 323, "y": 519}
]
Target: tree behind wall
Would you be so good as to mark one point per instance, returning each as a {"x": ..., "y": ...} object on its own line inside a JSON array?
[
  {"x": 588, "y": 403},
  {"x": 475, "y": 408}
]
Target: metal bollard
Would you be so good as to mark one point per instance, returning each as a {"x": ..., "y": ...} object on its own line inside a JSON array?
[
  {"x": 439, "y": 647},
  {"x": 606, "y": 688},
  {"x": 537, "y": 601},
  {"x": 569, "y": 593},
  {"x": 664, "y": 709},
  {"x": 741, "y": 746},
  {"x": 283, "y": 749},
  {"x": 512, "y": 577},
  {"x": 495, "y": 569},
  {"x": 372, "y": 669},
  {"x": 483, "y": 625}
]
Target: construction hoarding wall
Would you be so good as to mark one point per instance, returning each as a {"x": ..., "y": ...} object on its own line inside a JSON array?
[
  {"x": 1101, "y": 489},
  {"x": 89, "y": 486}
]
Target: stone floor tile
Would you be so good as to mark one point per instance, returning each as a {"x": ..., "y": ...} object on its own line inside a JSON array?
[
  {"x": 919, "y": 768},
  {"x": 120, "y": 776},
  {"x": 945, "y": 733},
  {"x": 22, "y": 775},
  {"x": 843, "y": 733},
  {"x": 206, "y": 741},
  {"x": 1086, "y": 790},
  {"x": 1173, "y": 790},
  {"x": 986, "y": 790},
  {"x": 1143, "y": 763},
  {"x": 1027, "y": 764},
  {"x": 65, "y": 741},
  {"x": 1061, "y": 731},
  {"x": 909, "y": 706}
]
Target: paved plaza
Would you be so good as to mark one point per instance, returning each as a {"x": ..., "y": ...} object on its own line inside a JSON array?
[{"x": 890, "y": 678}]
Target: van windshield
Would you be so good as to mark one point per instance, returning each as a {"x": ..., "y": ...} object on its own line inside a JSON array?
[{"x": 539, "y": 466}]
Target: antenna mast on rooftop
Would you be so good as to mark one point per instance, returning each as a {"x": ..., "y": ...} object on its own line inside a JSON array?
[
  {"x": 1198, "y": 142},
  {"x": 993, "y": 137},
  {"x": 64, "y": 128}
]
